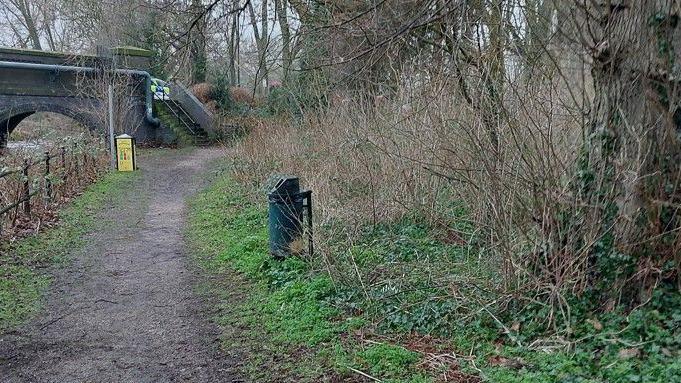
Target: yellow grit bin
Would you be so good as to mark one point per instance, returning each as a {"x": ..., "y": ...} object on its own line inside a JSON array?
[{"x": 125, "y": 153}]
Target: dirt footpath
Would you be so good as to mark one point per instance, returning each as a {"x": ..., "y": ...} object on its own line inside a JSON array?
[{"x": 125, "y": 310}]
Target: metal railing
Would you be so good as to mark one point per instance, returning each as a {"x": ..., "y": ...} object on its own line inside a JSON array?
[
  {"x": 195, "y": 108},
  {"x": 178, "y": 111}
]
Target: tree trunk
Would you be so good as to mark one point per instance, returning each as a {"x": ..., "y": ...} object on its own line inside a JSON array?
[
  {"x": 286, "y": 56},
  {"x": 265, "y": 42},
  {"x": 261, "y": 41},
  {"x": 630, "y": 173},
  {"x": 234, "y": 46},
  {"x": 25, "y": 10},
  {"x": 197, "y": 43}
]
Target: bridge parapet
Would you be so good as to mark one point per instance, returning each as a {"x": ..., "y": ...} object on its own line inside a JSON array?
[
  {"x": 124, "y": 57},
  {"x": 132, "y": 58},
  {"x": 46, "y": 57},
  {"x": 75, "y": 85}
]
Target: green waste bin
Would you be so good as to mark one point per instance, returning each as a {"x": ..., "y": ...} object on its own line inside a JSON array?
[{"x": 286, "y": 213}]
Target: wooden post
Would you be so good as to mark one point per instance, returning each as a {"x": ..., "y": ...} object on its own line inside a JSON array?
[
  {"x": 64, "y": 171},
  {"x": 74, "y": 157},
  {"x": 112, "y": 129},
  {"x": 48, "y": 182},
  {"x": 2, "y": 221},
  {"x": 85, "y": 169},
  {"x": 63, "y": 164},
  {"x": 27, "y": 186}
]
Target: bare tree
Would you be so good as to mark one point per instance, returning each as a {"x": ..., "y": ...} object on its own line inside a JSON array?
[
  {"x": 197, "y": 42},
  {"x": 24, "y": 13},
  {"x": 262, "y": 41},
  {"x": 281, "y": 9}
]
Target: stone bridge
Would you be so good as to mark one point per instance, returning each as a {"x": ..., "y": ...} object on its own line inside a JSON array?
[{"x": 76, "y": 86}]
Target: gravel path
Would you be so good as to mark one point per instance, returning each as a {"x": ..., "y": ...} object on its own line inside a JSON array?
[{"x": 125, "y": 310}]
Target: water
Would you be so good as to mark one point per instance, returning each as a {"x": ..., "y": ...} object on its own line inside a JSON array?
[{"x": 35, "y": 145}]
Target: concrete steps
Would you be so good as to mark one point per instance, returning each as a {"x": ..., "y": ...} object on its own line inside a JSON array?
[{"x": 173, "y": 116}]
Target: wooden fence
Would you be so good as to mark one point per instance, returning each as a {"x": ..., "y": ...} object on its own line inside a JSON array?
[{"x": 55, "y": 176}]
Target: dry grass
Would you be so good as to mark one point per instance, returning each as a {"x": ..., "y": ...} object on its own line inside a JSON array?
[
  {"x": 373, "y": 159},
  {"x": 202, "y": 92},
  {"x": 417, "y": 153},
  {"x": 423, "y": 152},
  {"x": 242, "y": 95}
]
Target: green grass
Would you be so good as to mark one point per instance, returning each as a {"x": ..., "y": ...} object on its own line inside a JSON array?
[
  {"x": 391, "y": 362},
  {"x": 22, "y": 264},
  {"x": 286, "y": 322},
  {"x": 641, "y": 346},
  {"x": 293, "y": 322},
  {"x": 279, "y": 308}
]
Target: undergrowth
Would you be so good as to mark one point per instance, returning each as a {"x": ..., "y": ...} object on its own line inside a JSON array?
[
  {"x": 286, "y": 320},
  {"x": 23, "y": 263},
  {"x": 407, "y": 302}
]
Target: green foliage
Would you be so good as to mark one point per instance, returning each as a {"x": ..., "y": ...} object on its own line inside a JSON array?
[
  {"x": 220, "y": 91},
  {"x": 20, "y": 291},
  {"x": 288, "y": 306},
  {"x": 641, "y": 346},
  {"x": 281, "y": 100},
  {"x": 182, "y": 137},
  {"x": 408, "y": 271},
  {"x": 387, "y": 360},
  {"x": 285, "y": 305},
  {"x": 302, "y": 316},
  {"x": 21, "y": 284},
  {"x": 293, "y": 310},
  {"x": 412, "y": 270}
]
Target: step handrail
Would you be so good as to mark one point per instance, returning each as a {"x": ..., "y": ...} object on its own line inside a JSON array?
[
  {"x": 165, "y": 102},
  {"x": 176, "y": 104},
  {"x": 192, "y": 106}
]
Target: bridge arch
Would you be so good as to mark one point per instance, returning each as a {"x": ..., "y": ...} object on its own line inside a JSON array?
[{"x": 12, "y": 115}]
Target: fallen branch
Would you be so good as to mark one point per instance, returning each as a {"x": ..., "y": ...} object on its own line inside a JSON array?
[{"x": 364, "y": 374}]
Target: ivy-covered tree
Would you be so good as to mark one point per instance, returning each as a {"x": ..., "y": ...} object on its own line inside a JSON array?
[{"x": 630, "y": 216}]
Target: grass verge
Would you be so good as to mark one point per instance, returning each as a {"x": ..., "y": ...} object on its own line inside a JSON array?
[
  {"x": 282, "y": 316},
  {"x": 270, "y": 312},
  {"x": 23, "y": 276},
  {"x": 415, "y": 314}
]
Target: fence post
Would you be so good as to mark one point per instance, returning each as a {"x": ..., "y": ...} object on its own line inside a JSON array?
[
  {"x": 64, "y": 173},
  {"x": 85, "y": 169},
  {"x": 2, "y": 221},
  {"x": 63, "y": 164},
  {"x": 48, "y": 182},
  {"x": 75, "y": 159},
  {"x": 27, "y": 191}
]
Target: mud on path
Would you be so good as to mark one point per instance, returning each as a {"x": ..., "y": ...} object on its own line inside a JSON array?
[{"x": 125, "y": 309}]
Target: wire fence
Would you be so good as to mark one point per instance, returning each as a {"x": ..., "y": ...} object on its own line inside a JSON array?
[{"x": 31, "y": 188}]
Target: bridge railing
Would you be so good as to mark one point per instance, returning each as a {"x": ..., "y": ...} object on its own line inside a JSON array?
[{"x": 56, "y": 176}]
